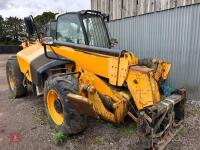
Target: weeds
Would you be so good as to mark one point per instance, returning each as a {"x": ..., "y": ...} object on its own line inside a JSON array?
[
  {"x": 99, "y": 140},
  {"x": 128, "y": 130},
  {"x": 196, "y": 111},
  {"x": 58, "y": 138},
  {"x": 34, "y": 114},
  {"x": 182, "y": 132},
  {"x": 45, "y": 120},
  {"x": 114, "y": 126},
  {"x": 11, "y": 96}
]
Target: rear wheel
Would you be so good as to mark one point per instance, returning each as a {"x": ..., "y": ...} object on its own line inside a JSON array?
[
  {"x": 60, "y": 111},
  {"x": 15, "y": 78}
]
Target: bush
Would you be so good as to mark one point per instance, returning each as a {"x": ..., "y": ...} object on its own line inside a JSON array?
[{"x": 9, "y": 41}]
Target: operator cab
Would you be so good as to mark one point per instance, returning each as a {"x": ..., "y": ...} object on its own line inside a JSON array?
[
  {"x": 84, "y": 27},
  {"x": 50, "y": 29}
]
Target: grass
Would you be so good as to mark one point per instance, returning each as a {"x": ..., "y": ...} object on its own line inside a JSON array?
[
  {"x": 99, "y": 140},
  {"x": 125, "y": 131},
  {"x": 114, "y": 126},
  {"x": 196, "y": 111},
  {"x": 45, "y": 120},
  {"x": 58, "y": 138},
  {"x": 128, "y": 130},
  {"x": 34, "y": 115},
  {"x": 11, "y": 96},
  {"x": 182, "y": 132}
]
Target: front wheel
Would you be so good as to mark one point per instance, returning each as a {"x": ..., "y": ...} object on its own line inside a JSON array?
[
  {"x": 15, "y": 78},
  {"x": 61, "y": 112}
]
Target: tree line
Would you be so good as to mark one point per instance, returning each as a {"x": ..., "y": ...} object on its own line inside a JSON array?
[{"x": 13, "y": 30}]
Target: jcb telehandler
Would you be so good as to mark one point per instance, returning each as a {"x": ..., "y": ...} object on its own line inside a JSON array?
[{"x": 80, "y": 75}]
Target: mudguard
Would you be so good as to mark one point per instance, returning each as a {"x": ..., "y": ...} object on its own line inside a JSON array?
[{"x": 33, "y": 63}]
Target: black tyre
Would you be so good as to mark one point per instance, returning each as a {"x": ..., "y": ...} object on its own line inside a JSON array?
[
  {"x": 15, "y": 78},
  {"x": 61, "y": 112}
]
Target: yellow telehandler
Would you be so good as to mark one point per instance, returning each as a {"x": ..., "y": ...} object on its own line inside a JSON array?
[{"x": 81, "y": 76}]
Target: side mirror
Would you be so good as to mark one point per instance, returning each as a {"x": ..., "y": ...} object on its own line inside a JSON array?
[
  {"x": 113, "y": 42},
  {"x": 30, "y": 26},
  {"x": 47, "y": 40}
]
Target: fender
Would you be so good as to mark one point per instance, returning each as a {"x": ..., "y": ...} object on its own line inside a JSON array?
[{"x": 40, "y": 65}]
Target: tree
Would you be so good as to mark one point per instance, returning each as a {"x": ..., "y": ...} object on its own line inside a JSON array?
[
  {"x": 11, "y": 30},
  {"x": 14, "y": 27},
  {"x": 43, "y": 19},
  {"x": 1, "y": 26}
]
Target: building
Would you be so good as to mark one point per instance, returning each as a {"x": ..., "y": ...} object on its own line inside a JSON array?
[{"x": 165, "y": 29}]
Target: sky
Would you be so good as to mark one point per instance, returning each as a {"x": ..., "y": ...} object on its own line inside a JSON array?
[{"x": 23, "y": 8}]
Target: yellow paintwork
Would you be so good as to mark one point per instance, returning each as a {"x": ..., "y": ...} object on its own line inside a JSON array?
[
  {"x": 90, "y": 79},
  {"x": 99, "y": 108},
  {"x": 26, "y": 43},
  {"x": 155, "y": 89},
  {"x": 120, "y": 101},
  {"x": 102, "y": 65},
  {"x": 116, "y": 72},
  {"x": 120, "y": 108},
  {"x": 140, "y": 86},
  {"x": 58, "y": 118},
  {"x": 162, "y": 70},
  {"x": 26, "y": 56},
  {"x": 143, "y": 87}
]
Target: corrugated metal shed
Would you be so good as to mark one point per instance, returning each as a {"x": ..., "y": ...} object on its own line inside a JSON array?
[
  {"x": 118, "y": 9},
  {"x": 173, "y": 35}
]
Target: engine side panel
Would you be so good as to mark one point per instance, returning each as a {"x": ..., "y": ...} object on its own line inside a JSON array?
[
  {"x": 28, "y": 55},
  {"x": 33, "y": 62}
]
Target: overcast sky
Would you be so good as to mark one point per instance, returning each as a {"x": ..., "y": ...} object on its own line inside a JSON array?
[{"x": 22, "y": 8}]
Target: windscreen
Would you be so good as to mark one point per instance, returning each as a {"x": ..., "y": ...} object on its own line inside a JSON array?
[
  {"x": 96, "y": 31},
  {"x": 69, "y": 29}
]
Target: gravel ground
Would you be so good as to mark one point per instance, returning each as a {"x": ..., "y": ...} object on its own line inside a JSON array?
[{"x": 26, "y": 119}]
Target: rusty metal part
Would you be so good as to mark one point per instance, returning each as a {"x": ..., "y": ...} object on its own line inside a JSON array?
[
  {"x": 147, "y": 118},
  {"x": 132, "y": 116},
  {"x": 169, "y": 135},
  {"x": 166, "y": 120},
  {"x": 81, "y": 104}
]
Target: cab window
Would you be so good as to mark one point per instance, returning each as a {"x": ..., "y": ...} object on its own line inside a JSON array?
[
  {"x": 96, "y": 31},
  {"x": 50, "y": 29},
  {"x": 69, "y": 29},
  {"x": 53, "y": 29},
  {"x": 46, "y": 29}
]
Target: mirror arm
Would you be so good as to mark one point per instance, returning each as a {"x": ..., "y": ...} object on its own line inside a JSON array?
[
  {"x": 35, "y": 27},
  {"x": 55, "y": 58}
]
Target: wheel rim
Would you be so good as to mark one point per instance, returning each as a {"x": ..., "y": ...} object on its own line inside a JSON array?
[
  {"x": 55, "y": 107},
  {"x": 11, "y": 81}
]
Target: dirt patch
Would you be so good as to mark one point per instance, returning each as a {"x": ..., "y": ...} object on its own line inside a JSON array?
[{"x": 26, "y": 119}]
